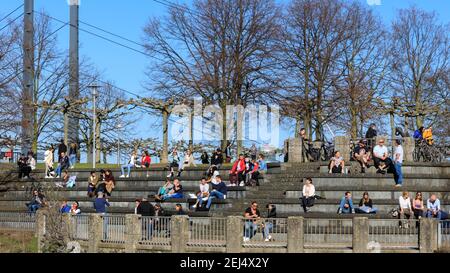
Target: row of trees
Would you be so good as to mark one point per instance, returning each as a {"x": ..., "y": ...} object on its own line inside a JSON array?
[{"x": 325, "y": 62}]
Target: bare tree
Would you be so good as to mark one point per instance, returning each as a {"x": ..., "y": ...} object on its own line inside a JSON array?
[
  {"x": 220, "y": 51},
  {"x": 312, "y": 45},
  {"x": 420, "y": 51},
  {"x": 364, "y": 62}
]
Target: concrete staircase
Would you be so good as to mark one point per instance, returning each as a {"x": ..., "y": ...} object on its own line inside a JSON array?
[{"x": 281, "y": 186}]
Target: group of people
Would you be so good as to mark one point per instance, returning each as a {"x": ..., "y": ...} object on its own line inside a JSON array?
[
  {"x": 67, "y": 159},
  {"x": 26, "y": 164},
  {"x": 246, "y": 170},
  {"x": 254, "y": 220},
  {"x": 379, "y": 154},
  {"x": 105, "y": 183}
]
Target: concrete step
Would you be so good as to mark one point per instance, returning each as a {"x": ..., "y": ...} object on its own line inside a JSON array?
[{"x": 375, "y": 194}]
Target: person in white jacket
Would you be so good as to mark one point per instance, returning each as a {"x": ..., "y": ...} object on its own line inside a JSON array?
[
  {"x": 131, "y": 164},
  {"x": 309, "y": 195},
  {"x": 48, "y": 160},
  {"x": 187, "y": 162}
]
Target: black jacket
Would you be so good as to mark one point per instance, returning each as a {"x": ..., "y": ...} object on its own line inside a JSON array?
[
  {"x": 371, "y": 133},
  {"x": 272, "y": 213},
  {"x": 146, "y": 209}
]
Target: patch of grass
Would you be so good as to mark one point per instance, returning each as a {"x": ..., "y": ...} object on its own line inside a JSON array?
[{"x": 18, "y": 242}]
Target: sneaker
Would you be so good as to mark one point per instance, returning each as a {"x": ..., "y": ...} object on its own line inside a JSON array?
[
  {"x": 194, "y": 206},
  {"x": 246, "y": 239},
  {"x": 169, "y": 175},
  {"x": 127, "y": 176},
  {"x": 398, "y": 185},
  {"x": 242, "y": 184},
  {"x": 363, "y": 170},
  {"x": 267, "y": 240},
  {"x": 122, "y": 176}
]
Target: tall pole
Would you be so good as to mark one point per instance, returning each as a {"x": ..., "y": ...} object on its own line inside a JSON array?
[
  {"x": 74, "y": 89},
  {"x": 94, "y": 125},
  {"x": 28, "y": 77}
]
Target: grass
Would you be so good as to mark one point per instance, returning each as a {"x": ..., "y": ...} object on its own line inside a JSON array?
[{"x": 18, "y": 242}]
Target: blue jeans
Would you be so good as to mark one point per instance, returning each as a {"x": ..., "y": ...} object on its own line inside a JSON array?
[
  {"x": 33, "y": 208},
  {"x": 200, "y": 199},
  {"x": 438, "y": 216},
  {"x": 72, "y": 160},
  {"x": 398, "y": 169},
  {"x": 174, "y": 196},
  {"x": 250, "y": 229},
  {"x": 346, "y": 210},
  {"x": 129, "y": 166},
  {"x": 214, "y": 194},
  {"x": 58, "y": 171},
  {"x": 366, "y": 210},
  {"x": 267, "y": 229}
]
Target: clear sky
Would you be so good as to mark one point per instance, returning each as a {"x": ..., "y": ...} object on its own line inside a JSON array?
[{"x": 127, "y": 18}]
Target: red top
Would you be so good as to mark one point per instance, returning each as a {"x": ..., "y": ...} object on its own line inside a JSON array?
[
  {"x": 146, "y": 159},
  {"x": 241, "y": 166},
  {"x": 255, "y": 167}
]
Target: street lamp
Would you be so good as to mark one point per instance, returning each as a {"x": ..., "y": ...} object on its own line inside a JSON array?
[{"x": 94, "y": 88}]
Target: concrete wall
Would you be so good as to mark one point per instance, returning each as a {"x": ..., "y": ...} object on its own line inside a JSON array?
[{"x": 298, "y": 237}]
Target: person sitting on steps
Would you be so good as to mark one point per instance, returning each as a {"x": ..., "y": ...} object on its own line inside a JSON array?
[
  {"x": 174, "y": 163},
  {"x": 175, "y": 193},
  {"x": 366, "y": 205},
  {"x": 362, "y": 155},
  {"x": 346, "y": 205},
  {"x": 131, "y": 164},
  {"x": 309, "y": 193},
  {"x": 405, "y": 210},
  {"x": 203, "y": 194},
  {"x": 337, "y": 163},
  {"x": 187, "y": 162}
]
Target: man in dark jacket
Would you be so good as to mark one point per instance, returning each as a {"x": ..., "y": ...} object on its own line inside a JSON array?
[
  {"x": 62, "y": 148},
  {"x": 145, "y": 208},
  {"x": 219, "y": 191},
  {"x": 371, "y": 134}
]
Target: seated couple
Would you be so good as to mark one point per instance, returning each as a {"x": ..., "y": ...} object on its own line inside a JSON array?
[
  {"x": 365, "y": 205},
  {"x": 170, "y": 191},
  {"x": 218, "y": 190}
]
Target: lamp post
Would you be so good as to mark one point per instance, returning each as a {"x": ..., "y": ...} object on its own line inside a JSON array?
[{"x": 94, "y": 88}]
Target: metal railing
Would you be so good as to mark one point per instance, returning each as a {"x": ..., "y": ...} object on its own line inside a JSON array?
[
  {"x": 394, "y": 234},
  {"x": 79, "y": 227},
  {"x": 444, "y": 236},
  {"x": 113, "y": 229},
  {"x": 328, "y": 233},
  {"x": 207, "y": 232},
  {"x": 17, "y": 221},
  {"x": 265, "y": 233},
  {"x": 155, "y": 231}
]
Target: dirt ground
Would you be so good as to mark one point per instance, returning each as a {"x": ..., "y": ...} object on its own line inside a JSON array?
[{"x": 17, "y": 242}]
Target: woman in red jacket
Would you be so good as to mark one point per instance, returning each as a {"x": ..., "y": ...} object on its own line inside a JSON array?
[
  {"x": 237, "y": 172},
  {"x": 146, "y": 160}
]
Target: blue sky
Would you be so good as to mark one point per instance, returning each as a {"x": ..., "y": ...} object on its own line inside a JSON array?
[{"x": 127, "y": 18}]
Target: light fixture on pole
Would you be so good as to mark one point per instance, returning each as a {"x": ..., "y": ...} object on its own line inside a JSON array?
[
  {"x": 94, "y": 88},
  {"x": 119, "y": 127}
]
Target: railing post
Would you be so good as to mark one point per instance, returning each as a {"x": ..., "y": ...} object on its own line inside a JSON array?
[
  {"x": 179, "y": 233},
  {"x": 428, "y": 235},
  {"x": 342, "y": 144},
  {"x": 132, "y": 232},
  {"x": 40, "y": 229},
  {"x": 360, "y": 234},
  {"x": 235, "y": 231},
  {"x": 295, "y": 235},
  {"x": 408, "y": 149},
  {"x": 95, "y": 235}
]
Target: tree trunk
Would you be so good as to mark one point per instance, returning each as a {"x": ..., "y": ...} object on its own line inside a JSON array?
[{"x": 354, "y": 122}]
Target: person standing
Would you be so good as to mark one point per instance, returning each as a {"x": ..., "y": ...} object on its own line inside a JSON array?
[
  {"x": 73, "y": 150},
  {"x": 205, "y": 158},
  {"x": 398, "y": 161},
  {"x": 253, "y": 152},
  {"x": 48, "y": 160},
  {"x": 62, "y": 148},
  {"x": 101, "y": 203},
  {"x": 371, "y": 134}
]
